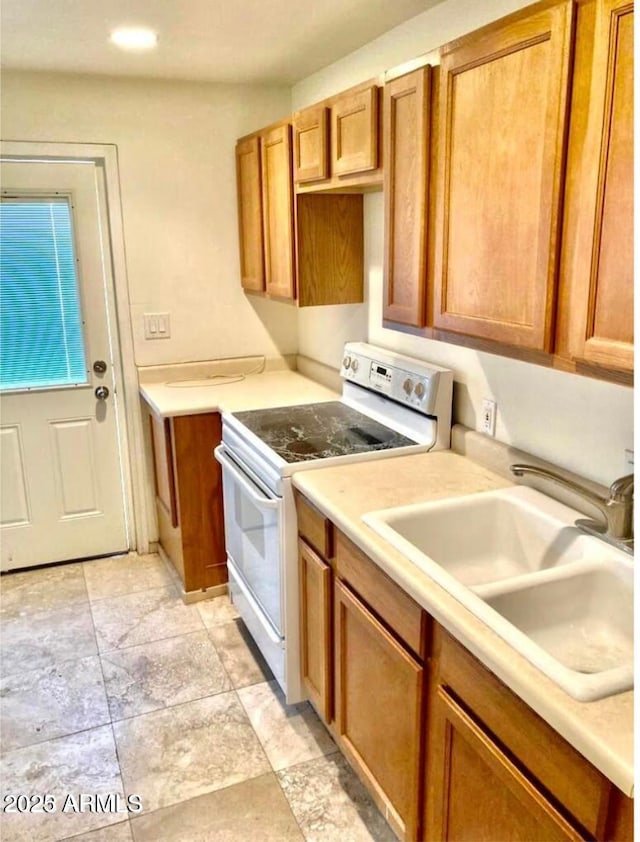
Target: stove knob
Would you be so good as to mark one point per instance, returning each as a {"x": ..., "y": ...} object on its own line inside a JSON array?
[
  {"x": 346, "y": 362},
  {"x": 354, "y": 364},
  {"x": 408, "y": 386},
  {"x": 419, "y": 390}
]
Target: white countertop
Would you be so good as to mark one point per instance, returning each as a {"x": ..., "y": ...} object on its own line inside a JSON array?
[
  {"x": 602, "y": 731},
  {"x": 254, "y": 391}
]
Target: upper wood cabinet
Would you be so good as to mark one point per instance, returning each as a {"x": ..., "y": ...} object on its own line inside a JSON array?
[
  {"x": 249, "y": 184},
  {"x": 277, "y": 210},
  {"x": 596, "y": 322},
  {"x": 503, "y": 121},
  {"x": 310, "y": 144},
  {"x": 337, "y": 142},
  {"x": 406, "y": 126},
  {"x": 308, "y": 248},
  {"x": 354, "y": 132}
]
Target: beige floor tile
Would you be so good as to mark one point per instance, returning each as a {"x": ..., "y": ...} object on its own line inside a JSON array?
[
  {"x": 217, "y": 610},
  {"x": 142, "y": 617},
  {"x": 290, "y": 734},
  {"x": 79, "y": 763},
  {"x": 331, "y": 805},
  {"x": 239, "y": 653},
  {"x": 125, "y": 574},
  {"x": 41, "y": 590},
  {"x": 156, "y": 675},
  {"x": 45, "y": 638},
  {"x": 114, "y": 833},
  {"x": 181, "y": 752},
  {"x": 43, "y": 704},
  {"x": 253, "y": 811}
]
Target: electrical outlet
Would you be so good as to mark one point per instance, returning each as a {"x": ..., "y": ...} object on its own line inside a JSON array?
[
  {"x": 489, "y": 410},
  {"x": 628, "y": 461},
  {"x": 157, "y": 326}
]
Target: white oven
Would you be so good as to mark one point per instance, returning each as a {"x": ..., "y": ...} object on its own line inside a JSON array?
[
  {"x": 390, "y": 405},
  {"x": 253, "y": 530}
]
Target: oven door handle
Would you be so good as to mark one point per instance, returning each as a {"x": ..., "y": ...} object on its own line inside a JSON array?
[{"x": 259, "y": 499}]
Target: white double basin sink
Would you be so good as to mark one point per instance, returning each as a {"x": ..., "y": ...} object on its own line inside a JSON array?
[{"x": 562, "y": 599}]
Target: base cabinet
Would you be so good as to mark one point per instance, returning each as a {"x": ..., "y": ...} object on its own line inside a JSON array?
[
  {"x": 476, "y": 792},
  {"x": 189, "y": 497},
  {"x": 379, "y": 689}
]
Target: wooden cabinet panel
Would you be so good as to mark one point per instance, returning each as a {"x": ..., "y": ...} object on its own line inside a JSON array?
[
  {"x": 388, "y": 600},
  {"x": 277, "y": 205},
  {"x": 354, "y": 132},
  {"x": 163, "y": 466},
  {"x": 503, "y": 101},
  {"x": 566, "y": 775},
  {"x": 479, "y": 794},
  {"x": 406, "y": 122},
  {"x": 250, "y": 214},
  {"x": 314, "y": 527},
  {"x": 316, "y": 639},
  {"x": 598, "y": 258},
  {"x": 311, "y": 144},
  {"x": 378, "y": 713},
  {"x": 199, "y": 481},
  {"x": 330, "y": 240}
]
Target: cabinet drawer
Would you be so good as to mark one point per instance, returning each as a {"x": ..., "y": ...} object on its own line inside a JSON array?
[
  {"x": 536, "y": 746},
  {"x": 390, "y": 602},
  {"x": 314, "y": 527}
]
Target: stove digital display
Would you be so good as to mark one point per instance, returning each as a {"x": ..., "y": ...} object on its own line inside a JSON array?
[{"x": 380, "y": 377}]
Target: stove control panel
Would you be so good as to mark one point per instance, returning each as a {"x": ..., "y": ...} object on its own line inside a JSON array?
[{"x": 407, "y": 381}]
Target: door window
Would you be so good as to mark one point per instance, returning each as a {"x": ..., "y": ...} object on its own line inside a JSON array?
[{"x": 41, "y": 327}]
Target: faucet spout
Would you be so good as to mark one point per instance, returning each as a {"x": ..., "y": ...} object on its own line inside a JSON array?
[{"x": 617, "y": 508}]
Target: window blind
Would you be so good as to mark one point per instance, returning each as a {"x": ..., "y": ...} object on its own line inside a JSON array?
[{"x": 41, "y": 338}]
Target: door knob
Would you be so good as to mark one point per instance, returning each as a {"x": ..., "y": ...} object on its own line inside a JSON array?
[
  {"x": 99, "y": 366},
  {"x": 102, "y": 393}
]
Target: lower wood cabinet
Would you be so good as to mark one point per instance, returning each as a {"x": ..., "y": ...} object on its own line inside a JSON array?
[
  {"x": 446, "y": 750},
  {"x": 378, "y": 699},
  {"x": 189, "y": 506},
  {"x": 316, "y": 638},
  {"x": 476, "y": 792}
]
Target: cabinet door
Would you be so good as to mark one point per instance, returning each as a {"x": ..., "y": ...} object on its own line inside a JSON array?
[
  {"x": 503, "y": 104},
  {"x": 475, "y": 792},
  {"x": 277, "y": 201},
  {"x": 601, "y": 255},
  {"x": 310, "y": 144},
  {"x": 163, "y": 466},
  {"x": 316, "y": 654},
  {"x": 250, "y": 214},
  {"x": 378, "y": 701},
  {"x": 354, "y": 132},
  {"x": 406, "y": 113}
]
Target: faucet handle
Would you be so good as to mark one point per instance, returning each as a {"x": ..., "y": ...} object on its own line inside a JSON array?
[{"x": 621, "y": 489}]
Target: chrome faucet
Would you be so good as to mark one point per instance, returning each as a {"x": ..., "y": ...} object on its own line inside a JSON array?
[{"x": 617, "y": 508}]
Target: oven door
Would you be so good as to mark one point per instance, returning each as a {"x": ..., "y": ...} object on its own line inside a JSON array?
[{"x": 252, "y": 523}]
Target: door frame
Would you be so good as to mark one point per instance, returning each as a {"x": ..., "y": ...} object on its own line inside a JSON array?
[{"x": 129, "y": 416}]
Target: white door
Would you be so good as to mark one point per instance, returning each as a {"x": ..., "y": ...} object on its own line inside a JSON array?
[{"x": 62, "y": 489}]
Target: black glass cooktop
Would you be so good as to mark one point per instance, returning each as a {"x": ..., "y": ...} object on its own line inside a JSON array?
[{"x": 319, "y": 430}]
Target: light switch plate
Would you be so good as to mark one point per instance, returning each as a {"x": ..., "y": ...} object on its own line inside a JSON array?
[{"x": 157, "y": 326}]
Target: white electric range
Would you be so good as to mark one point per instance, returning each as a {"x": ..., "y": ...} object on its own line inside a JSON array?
[{"x": 391, "y": 405}]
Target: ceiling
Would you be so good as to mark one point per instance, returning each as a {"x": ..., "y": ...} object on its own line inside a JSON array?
[{"x": 237, "y": 41}]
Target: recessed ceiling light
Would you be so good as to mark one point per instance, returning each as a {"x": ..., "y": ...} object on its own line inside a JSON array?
[{"x": 134, "y": 38}]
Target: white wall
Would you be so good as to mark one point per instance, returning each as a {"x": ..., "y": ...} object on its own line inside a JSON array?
[
  {"x": 176, "y": 160},
  {"x": 579, "y": 423}
]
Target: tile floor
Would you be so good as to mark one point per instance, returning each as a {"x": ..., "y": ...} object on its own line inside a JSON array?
[{"x": 110, "y": 686}]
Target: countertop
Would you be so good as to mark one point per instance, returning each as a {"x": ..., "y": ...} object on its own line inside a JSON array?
[
  {"x": 601, "y": 731},
  {"x": 253, "y": 391}
]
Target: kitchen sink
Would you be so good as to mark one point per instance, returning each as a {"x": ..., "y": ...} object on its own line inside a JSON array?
[{"x": 513, "y": 557}]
